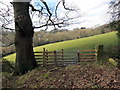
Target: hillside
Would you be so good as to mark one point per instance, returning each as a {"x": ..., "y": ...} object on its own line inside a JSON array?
[
  {"x": 108, "y": 39},
  {"x": 83, "y": 75},
  {"x": 73, "y": 76},
  {"x": 83, "y": 43}
]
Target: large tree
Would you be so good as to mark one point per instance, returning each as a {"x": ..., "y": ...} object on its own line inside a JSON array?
[
  {"x": 24, "y": 29},
  {"x": 25, "y": 59},
  {"x": 115, "y": 12}
]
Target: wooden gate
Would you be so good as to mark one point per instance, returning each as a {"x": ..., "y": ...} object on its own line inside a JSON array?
[
  {"x": 88, "y": 56},
  {"x": 63, "y": 58}
]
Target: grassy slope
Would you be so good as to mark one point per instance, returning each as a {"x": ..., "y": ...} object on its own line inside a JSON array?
[{"x": 78, "y": 44}]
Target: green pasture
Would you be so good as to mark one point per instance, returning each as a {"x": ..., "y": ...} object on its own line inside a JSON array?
[{"x": 108, "y": 39}]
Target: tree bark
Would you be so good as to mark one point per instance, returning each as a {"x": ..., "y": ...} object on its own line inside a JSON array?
[
  {"x": 25, "y": 59},
  {"x": 118, "y": 45}
]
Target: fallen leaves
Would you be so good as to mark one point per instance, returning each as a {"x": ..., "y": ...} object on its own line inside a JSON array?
[{"x": 74, "y": 76}]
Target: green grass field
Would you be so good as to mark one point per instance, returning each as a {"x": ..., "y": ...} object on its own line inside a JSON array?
[{"x": 108, "y": 39}]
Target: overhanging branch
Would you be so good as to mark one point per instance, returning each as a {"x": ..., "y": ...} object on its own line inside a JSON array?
[{"x": 50, "y": 24}]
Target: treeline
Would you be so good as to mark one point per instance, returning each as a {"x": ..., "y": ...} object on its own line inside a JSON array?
[
  {"x": 7, "y": 42},
  {"x": 44, "y": 37}
]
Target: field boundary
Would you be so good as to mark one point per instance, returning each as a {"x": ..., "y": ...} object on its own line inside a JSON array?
[{"x": 60, "y": 58}]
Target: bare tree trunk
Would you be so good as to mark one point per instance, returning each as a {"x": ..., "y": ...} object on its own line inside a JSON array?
[
  {"x": 25, "y": 59},
  {"x": 118, "y": 44},
  {"x": 118, "y": 52}
]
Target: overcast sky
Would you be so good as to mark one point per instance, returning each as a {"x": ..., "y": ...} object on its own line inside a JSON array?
[{"x": 94, "y": 12}]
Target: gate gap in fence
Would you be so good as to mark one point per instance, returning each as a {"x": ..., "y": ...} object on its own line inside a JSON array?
[{"x": 63, "y": 58}]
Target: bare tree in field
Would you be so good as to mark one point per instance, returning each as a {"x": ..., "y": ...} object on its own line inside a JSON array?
[
  {"x": 24, "y": 28},
  {"x": 115, "y": 12}
]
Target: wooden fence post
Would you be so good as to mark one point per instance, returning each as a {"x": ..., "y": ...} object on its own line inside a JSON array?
[
  {"x": 44, "y": 62},
  {"x": 62, "y": 55},
  {"x": 100, "y": 49},
  {"x": 55, "y": 57},
  {"x": 78, "y": 56},
  {"x": 46, "y": 59}
]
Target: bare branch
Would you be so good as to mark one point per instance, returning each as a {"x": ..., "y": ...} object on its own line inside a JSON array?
[
  {"x": 6, "y": 16},
  {"x": 50, "y": 24},
  {"x": 33, "y": 9},
  {"x": 57, "y": 8},
  {"x": 115, "y": 10},
  {"x": 7, "y": 28},
  {"x": 70, "y": 9},
  {"x": 44, "y": 16}
]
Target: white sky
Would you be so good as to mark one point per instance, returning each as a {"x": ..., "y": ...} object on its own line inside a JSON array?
[{"x": 94, "y": 12}]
